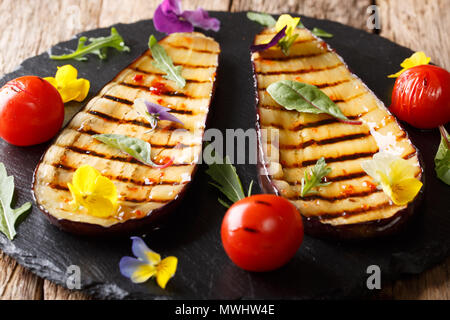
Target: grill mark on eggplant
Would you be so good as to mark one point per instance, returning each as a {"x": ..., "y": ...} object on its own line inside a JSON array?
[
  {"x": 344, "y": 177},
  {"x": 161, "y": 74},
  {"x": 337, "y": 198},
  {"x": 168, "y": 93},
  {"x": 122, "y": 178},
  {"x": 320, "y": 123},
  {"x": 190, "y": 49},
  {"x": 120, "y": 100},
  {"x": 129, "y": 103},
  {"x": 127, "y": 199},
  {"x": 321, "y": 85},
  {"x": 188, "y": 65},
  {"x": 349, "y": 99},
  {"x": 299, "y": 71},
  {"x": 112, "y": 157},
  {"x": 350, "y": 213},
  {"x": 109, "y": 118},
  {"x": 292, "y": 57},
  {"x": 324, "y": 141},
  {"x": 346, "y": 157}
]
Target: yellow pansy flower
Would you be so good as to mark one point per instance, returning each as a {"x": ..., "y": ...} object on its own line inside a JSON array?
[
  {"x": 395, "y": 176},
  {"x": 69, "y": 87},
  {"x": 147, "y": 264},
  {"x": 288, "y": 21},
  {"x": 94, "y": 192},
  {"x": 417, "y": 59}
]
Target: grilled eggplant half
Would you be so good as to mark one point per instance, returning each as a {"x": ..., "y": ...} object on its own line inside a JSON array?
[
  {"x": 145, "y": 193},
  {"x": 351, "y": 206}
]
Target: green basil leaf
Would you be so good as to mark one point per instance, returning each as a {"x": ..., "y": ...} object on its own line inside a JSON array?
[
  {"x": 263, "y": 19},
  {"x": 303, "y": 97},
  {"x": 164, "y": 63},
  {"x": 442, "y": 159},
  {"x": 321, "y": 33},
  {"x": 136, "y": 148},
  {"x": 97, "y": 46},
  {"x": 9, "y": 216}
]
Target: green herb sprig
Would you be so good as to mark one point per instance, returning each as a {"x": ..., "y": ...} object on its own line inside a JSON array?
[
  {"x": 227, "y": 181},
  {"x": 313, "y": 178},
  {"x": 442, "y": 159},
  {"x": 98, "y": 46},
  {"x": 163, "y": 62},
  {"x": 136, "y": 148},
  {"x": 9, "y": 216},
  {"x": 321, "y": 33},
  {"x": 303, "y": 97}
]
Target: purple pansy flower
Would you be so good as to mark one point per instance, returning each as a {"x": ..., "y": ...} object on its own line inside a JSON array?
[
  {"x": 170, "y": 18},
  {"x": 261, "y": 47},
  {"x": 154, "y": 112}
]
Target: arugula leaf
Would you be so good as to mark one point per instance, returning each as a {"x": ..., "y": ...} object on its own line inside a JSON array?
[
  {"x": 164, "y": 63},
  {"x": 9, "y": 216},
  {"x": 98, "y": 46},
  {"x": 227, "y": 181},
  {"x": 263, "y": 19},
  {"x": 314, "y": 177},
  {"x": 442, "y": 159},
  {"x": 303, "y": 97},
  {"x": 321, "y": 33},
  {"x": 136, "y": 148}
]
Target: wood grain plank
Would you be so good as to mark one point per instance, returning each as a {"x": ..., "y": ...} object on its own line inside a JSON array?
[
  {"x": 17, "y": 283},
  {"x": 419, "y": 25},
  {"x": 350, "y": 12}
]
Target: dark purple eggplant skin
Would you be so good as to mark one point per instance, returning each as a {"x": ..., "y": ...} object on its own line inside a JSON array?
[
  {"x": 314, "y": 227},
  {"x": 153, "y": 221}
]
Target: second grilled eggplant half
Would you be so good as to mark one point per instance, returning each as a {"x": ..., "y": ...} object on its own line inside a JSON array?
[
  {"x": 145, "y": 192},
  {"x": 350, "y": 206}
]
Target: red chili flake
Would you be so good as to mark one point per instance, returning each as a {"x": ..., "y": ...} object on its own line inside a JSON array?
[
  {"x": 347, "y": 190},
  {"x": 370, "y": 184},
  {"x": 160, "y": 101},
  {"x": 132, "y": 188},
  {"x": 158, "y": 88},
  {"x": 139, "y": 213},
  {"x": 138, "y": 77}
]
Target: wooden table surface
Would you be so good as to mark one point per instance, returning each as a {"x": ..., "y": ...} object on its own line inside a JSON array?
[{"x": 30, "y": 27}]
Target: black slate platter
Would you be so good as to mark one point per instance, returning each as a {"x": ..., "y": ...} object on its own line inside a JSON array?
[{"x": 320, "y": 269}]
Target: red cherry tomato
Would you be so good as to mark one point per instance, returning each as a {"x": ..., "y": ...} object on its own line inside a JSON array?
[
  {"x": 421, "y": 96},
  {"x": 262, "y": 232},
  {"x": 31, "y": 111}
]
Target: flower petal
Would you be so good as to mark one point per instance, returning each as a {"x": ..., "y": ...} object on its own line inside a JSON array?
[
  {"x": 99, "y": 206},
  {"x": 52, "y": 81},
  {"x": 76, "y": 195},
  {"x": 285, "y": 20},
  {"x": 401, "y": 169},
  {"x": 166, "y": 270},
  {"x": 82, "y": 86},
  {"x": 84, "y": 178},
  {"x": 171, "y": 6},
  {"x": 417, "y": 59},
  {"x": 200, "y": 18},
  {"x": 170, "y": 22},
  {"x": 143, "y": 252},
  {"x": 65, "y": 74},
  {"x": 105, "y": 188},
  {"x": 261, "y": 47},
  {"x": 405, "y": 191},
  {"x": 136, "y": 270}
]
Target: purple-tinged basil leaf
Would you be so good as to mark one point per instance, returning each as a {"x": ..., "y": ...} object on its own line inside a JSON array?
[
  {"x": 200, "y": 18},
  {"x": 170, "y": 22},
  {"x": 261, "y": 47}
]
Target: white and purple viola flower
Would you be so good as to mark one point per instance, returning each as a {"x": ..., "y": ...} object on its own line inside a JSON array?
[
  {"x": 170, "y": 18},
  {"x": 154, "y": 112}
]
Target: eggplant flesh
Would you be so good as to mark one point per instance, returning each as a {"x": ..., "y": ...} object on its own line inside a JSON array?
[
  {"x": 351, "y": 206},
  {"x": 146, "y": 193}
]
